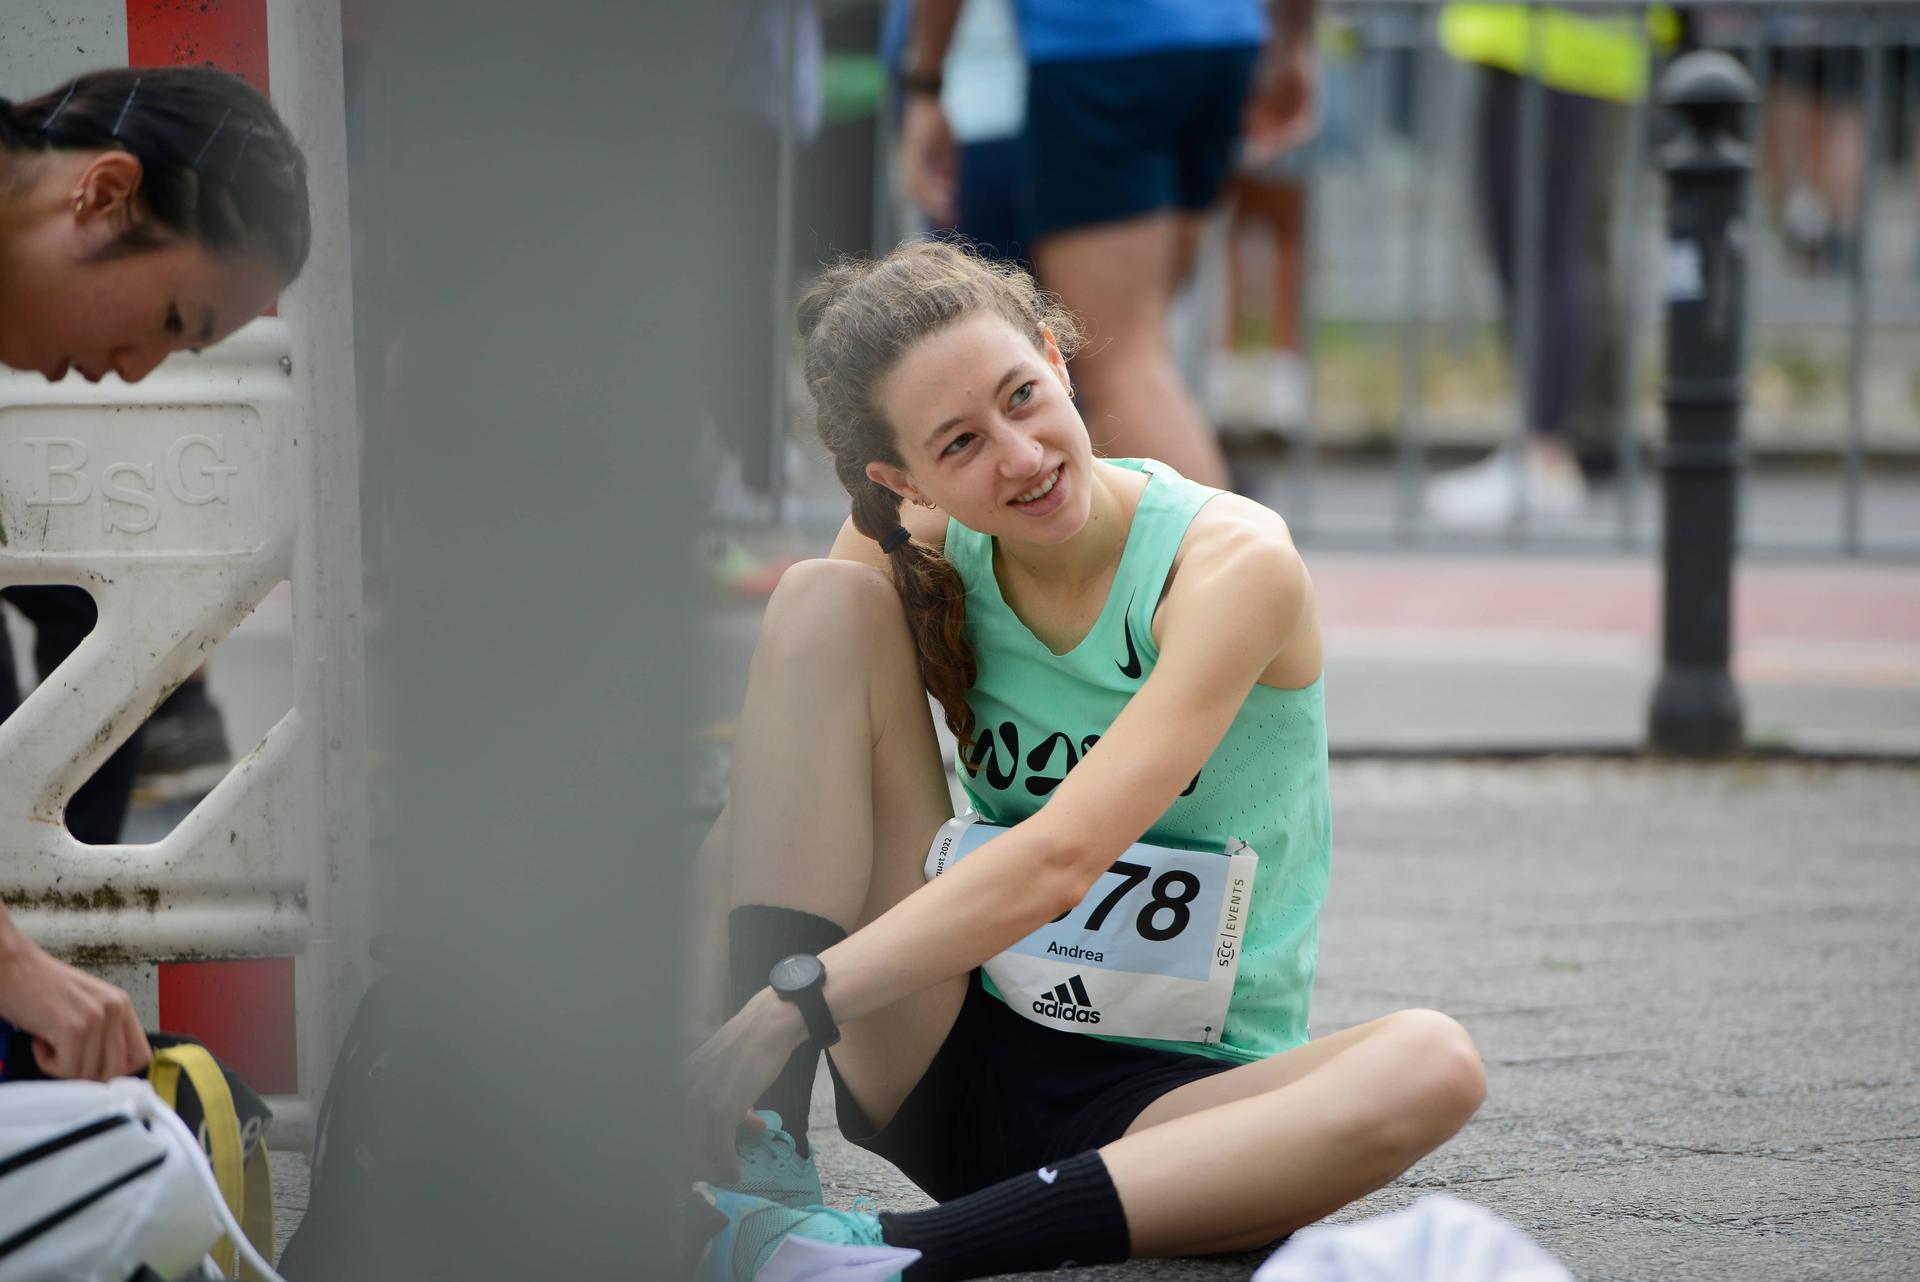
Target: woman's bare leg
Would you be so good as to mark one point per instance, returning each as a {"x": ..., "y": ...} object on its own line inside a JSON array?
[
  {"x": 1236, "y": 1160},
  {"x": 838, "y": 790},
  {"x": 1237, "y": 225},
  {"x": 1121, "y": 278}
]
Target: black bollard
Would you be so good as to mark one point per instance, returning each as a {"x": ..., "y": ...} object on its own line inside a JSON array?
[{"x": 1696, "y": 709}]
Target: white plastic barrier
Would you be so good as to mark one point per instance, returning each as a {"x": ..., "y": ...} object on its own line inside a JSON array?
[{"x": 179, "y": 503}]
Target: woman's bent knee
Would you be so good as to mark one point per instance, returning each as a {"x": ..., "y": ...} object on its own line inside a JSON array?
[
  {"x": 1444, "y": 1082},
  {"x": 823, "y": 609},
  {"x": 1429, "y": 1083}
]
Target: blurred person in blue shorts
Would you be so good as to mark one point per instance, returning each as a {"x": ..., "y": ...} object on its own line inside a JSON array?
[
  {"x": 984, "y": 98},
  {"x": 1135, "y": 111}
]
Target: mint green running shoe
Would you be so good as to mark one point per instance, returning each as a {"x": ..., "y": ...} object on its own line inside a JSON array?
[
  {"x": 755, "y": 1228},
  {"x": 771, "y": 1166}
]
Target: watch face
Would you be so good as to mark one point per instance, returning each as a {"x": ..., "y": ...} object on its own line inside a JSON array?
[{"x": 793, "y": 974}]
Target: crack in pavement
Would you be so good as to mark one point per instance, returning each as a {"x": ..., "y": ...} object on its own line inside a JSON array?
[
  {"x": 1735, "y": 1222},
  {"x": 1577, "y": 1057}
]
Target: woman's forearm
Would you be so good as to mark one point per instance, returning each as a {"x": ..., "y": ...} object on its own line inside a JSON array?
[{"x": 998, "y": 895}]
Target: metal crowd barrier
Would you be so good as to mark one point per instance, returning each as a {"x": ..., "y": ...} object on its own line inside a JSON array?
[
  {"x": 178, "y": 504},
  {"x": 1424, "y": 280},
  {"x": 1439, "y": 166}
]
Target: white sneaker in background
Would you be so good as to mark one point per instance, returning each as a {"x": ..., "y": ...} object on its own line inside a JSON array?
[
  {"x": 1230, "y": 391},
  {"x": 1805, "y": 222},
  {"x": 1283, "y": 392},
  {"x": 1487, "y": 494},
  {"x": 1257, "y": 391}
]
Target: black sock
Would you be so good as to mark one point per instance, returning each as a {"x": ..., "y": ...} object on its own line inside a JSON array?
[
  {"x": 1021, "y": 1225},
  {"x": 758, "y": 936}
]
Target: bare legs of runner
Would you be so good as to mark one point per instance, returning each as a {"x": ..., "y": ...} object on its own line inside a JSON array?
[{"x": 1120, "y": 279}]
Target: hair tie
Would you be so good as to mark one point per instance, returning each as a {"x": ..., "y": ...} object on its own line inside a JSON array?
[{"x": 894, "y": 540}]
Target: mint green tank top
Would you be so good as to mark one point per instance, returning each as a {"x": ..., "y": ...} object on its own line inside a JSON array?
[{"x": 1036, "y": 713}]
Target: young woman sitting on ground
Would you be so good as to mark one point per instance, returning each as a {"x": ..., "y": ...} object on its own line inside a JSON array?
[
  {"x": 1124, "y": 657},
  {"x": 143, "y": 210}
]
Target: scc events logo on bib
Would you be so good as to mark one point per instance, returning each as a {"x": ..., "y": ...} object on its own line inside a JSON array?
[{"x": 1151, "y": 951}]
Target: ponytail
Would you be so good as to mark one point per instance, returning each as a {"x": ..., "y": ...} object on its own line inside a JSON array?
[{"x": 935, "y": 599}]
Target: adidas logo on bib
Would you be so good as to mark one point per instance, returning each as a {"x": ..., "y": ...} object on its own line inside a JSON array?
[{"x": 1069, "y": 1002}]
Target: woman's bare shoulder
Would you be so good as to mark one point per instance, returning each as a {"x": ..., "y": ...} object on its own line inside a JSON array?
[
  {"x": 1240, "y": 558},
  {"x": 1233, "y": 523},
  {"x": 1238, "y": 555}
]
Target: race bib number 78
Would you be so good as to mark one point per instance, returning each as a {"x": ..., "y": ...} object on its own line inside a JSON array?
[{"x": 1151, "y": 951}]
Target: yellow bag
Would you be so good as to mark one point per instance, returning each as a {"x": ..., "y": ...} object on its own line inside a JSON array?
[{"x": 245, "y": 1180}]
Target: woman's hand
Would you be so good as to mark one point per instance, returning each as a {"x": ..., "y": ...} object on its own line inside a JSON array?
[
  {"x": 1281, "y": 112},
  {"x": 928, "y": 159},
  {"x": 82, "y": 1027},
  {"x": 729, "y": 1072}
]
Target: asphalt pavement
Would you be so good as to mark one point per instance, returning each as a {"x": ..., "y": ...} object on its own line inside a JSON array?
[{"x": 1694, "y": 988}]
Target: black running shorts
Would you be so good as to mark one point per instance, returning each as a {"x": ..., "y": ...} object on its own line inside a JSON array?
[{"x": 1005, "y": 1095}]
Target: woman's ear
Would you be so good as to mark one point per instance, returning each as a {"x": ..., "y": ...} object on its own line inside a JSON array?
[
  {"x": 889, "y": 477},
  {"x": 107, "y": 196},
  {"x": 1050, "y": 351}
]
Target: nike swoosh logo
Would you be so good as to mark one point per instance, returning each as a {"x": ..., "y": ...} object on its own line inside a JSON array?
[
  {"x": 1131, "y": 668},
  {"x": 1048, "y": 1175}
]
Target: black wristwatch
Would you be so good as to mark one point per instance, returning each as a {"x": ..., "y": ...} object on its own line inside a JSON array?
[
  {"x": 801, "y": 979},
  {"x": 929, "y": 83}
]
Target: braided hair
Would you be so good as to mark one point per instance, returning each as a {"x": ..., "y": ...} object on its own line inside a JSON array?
[{"x": 219, "y": 167}]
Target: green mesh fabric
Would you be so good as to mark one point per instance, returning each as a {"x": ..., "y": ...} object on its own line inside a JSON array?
[
  {"x": 771, "y": 1167},
  {"x": 1037, "y": 712},
  {"x": 758, "y": 1233}
]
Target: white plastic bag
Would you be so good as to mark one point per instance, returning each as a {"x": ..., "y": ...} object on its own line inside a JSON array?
[{"x": 1437, "y": 1239}]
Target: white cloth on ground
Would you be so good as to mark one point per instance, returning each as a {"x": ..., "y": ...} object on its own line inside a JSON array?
[
  {"x": 1437, "y": 1239},
  {"x": 801, "y": 1259}
]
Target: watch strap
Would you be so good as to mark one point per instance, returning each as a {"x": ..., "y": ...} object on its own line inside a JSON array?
[
  {"x": 929, "y": 83},
  {"x": 822, "y": 1032}
]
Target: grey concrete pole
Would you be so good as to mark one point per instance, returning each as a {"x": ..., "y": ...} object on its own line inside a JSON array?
[
  {"x": 561, "y": 311},
  {"x": 1696, "y": 709}
]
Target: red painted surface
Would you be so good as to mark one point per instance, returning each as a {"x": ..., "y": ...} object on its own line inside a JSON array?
[
  {"x": 228, "y": 34},
  {"x": 242, "y": 1010}
]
